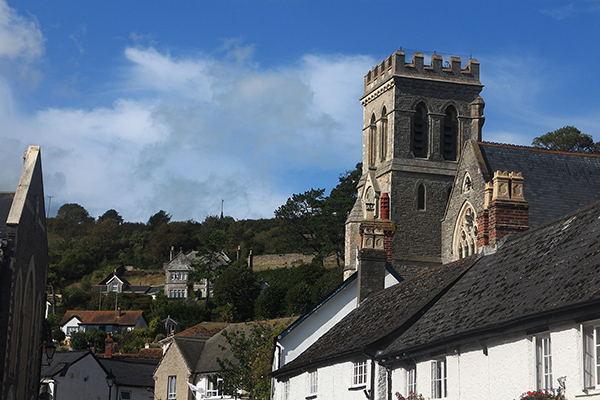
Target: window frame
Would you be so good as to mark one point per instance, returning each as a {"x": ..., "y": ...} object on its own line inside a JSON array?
[
  {"x": 590, "y": 337},
  {"x": 439, "y": 379},
  {"x": 411, "y": 379},
  {"x": 172, "y": 387},
  {"x": 313, "y": 382},
  {"x": 543, "y": 361},
  {"x": 359, "y": 373},
  {"x": 214, "y": 386}
]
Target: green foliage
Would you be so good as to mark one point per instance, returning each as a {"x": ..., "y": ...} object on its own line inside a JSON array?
[
  {"x": 237, "y": 286},
  {"x": 72, "y": 212},
  {"x": 58, "y": 335},
  {"x": 568, "y": 138},
  {"x": 131, "y": 342},
  {"x": 318, "y": 220},
  {"x": 161, "y": 217},
  {"x": 250, "y": 366},
  {"x": 298, "y": 299},
  {"x": 543, "y": 395},
  {"x": 87, "y": 340},
  {"x": 270, "y": 302},
  {"x": 111, "y": 215}
]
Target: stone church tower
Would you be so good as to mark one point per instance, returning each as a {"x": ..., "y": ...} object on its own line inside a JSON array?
[{"x": 417, "y": 118}]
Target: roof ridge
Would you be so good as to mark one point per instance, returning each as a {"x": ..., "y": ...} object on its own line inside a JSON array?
[{"x": 538, "y": 149}]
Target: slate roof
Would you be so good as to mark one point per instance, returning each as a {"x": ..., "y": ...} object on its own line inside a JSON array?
[
  {"x": 62, "y": 361},
  {"x": 190, "y": 350},
  {"x": 6, "y": 200},
  {"x": 541, "y": 276},
  {"x": 207, "y": 362},
  {"x": 555, "y": 183},
  {"x": 126, "y": 318},
  {"x": 135, "y": 372},
  {"x": 380, "y": 315}
]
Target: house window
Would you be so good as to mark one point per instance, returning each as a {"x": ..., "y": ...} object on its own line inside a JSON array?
[
  {"x": 411, "y": 380},
  {"x": 71, "y": 330},
  {"x": 591, "y": 356},
  {"x": 313, "y": 382},
  {"x": 172, "y": 387},
  {"x": 125, "y": 395},
  {"x": 214, "y": 387},
  {"x": 543, "y": 362},
  {"x": 438, "y": 379},
  {"x": 359, "y": 376},
  {"x": 286, "y": 390},
  {"x": 115, "y": 287}
]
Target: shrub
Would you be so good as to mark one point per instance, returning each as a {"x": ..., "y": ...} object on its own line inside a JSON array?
[{"x": 543, "y": 395}]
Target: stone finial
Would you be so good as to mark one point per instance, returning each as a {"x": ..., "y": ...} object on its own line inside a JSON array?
[
  {"x": 516, "y": 179},
  {"x": 488, "y": 195},
  {"x": 501, "y": 184}
]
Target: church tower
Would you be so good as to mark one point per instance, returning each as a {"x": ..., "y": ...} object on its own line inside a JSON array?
[{"x": 417, "y": 118}]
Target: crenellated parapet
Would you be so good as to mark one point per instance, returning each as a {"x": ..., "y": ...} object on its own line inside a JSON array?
[{"x": 396, "y": 65}]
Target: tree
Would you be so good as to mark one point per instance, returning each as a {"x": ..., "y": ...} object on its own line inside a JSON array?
[
  {"x": 248, "y": 370},
  {"x": 237, "y": 286},
  {"x": 111, "y": 215},
  {"x": 318, "y": 220},
  {"x": 208, "y": 262},
  {"x": 161, "y": 217},
  {"x": 72, "y": 212},
  {"x": 567, "y": 138}
]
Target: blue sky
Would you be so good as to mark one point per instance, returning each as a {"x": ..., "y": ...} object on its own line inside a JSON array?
[{"x": 148, "y": 105}]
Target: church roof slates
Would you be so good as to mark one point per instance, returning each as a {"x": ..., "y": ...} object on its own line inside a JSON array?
[{"x": 555, "y": 183}]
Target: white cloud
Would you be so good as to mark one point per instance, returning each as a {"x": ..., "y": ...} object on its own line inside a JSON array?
[
  {"x": 19, "y": 37},
  {"x": 185, "y": 132}
]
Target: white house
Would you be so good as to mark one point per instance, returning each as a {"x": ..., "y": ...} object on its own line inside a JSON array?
[{"x": 524, "y": 318}]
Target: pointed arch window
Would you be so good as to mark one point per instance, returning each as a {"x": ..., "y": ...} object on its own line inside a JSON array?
[
  {"x": 465, "y": 232},
  {"x": 384, "y": 135},
  {"x": 449, "y": 134},
  {"x": 421, "y": 197},
  {"x": 420, "y": 132},
  {"x": 372, "y": 136}
]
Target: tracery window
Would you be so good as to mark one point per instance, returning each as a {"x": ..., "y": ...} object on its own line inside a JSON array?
[
  {"x": 449, "y": 134},
  {"x": 420, "y": 132},
  {"x": 465, "y": 232}
]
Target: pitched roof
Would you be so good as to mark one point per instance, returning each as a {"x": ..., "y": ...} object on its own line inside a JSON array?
[
  {"x": 6, "y": 200},
  {"x": 190, "y": 350},
  {"x": 123, "y": 318},
  {"x": 135, "y": 372},
  {"x": 555, "y": 183},
  {"x": 62, "y": 361},
  {"x": 380, "y": 315},
  {"x": 217, "y": 346},
  {"x": 203, "y": 330},
  {"x": 540, "y": 276}
]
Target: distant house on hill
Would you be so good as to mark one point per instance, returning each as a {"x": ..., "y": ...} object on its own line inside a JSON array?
[
  {"x": 116, "y": 283},
  {"x": 177, "y": 273},
  {"x": 108, "y": 321}
]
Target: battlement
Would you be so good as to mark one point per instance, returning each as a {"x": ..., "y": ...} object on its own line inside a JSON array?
[{"x": 396, "y": 65}]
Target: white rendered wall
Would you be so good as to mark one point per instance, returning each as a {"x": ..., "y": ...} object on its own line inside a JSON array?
[{"x": 313, "y": 327}]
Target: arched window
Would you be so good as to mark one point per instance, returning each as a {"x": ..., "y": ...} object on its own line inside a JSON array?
[
  {"x": 421, "y": 197},
  {"x": 465, "y": 232},
  {"x": 383, "y": 140},
  {"x": 420, "y": 132},
  {"x": 449, "y": 134},
  {"x": 372, "y": 136}
]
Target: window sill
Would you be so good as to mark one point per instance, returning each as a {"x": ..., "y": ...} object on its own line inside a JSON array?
[
  {"x": 588, "y": 393},
  {"x": 312, "y": 396},
  {"x": 353, "y": 388}
]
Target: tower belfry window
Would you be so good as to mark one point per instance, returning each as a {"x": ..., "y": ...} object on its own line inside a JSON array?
[
  {"x": 383, "y": 139},
  {"x": 372, "y": 137},
  {"x": 449, "y": 134},
  {"x": 420, "y": 132}
]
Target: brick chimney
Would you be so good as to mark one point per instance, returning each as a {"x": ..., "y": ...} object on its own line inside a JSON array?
[
  {"x": 505, "y": 210},
  {"x": 376, "y": 250},
  {"x": 109, "y": 346}
]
